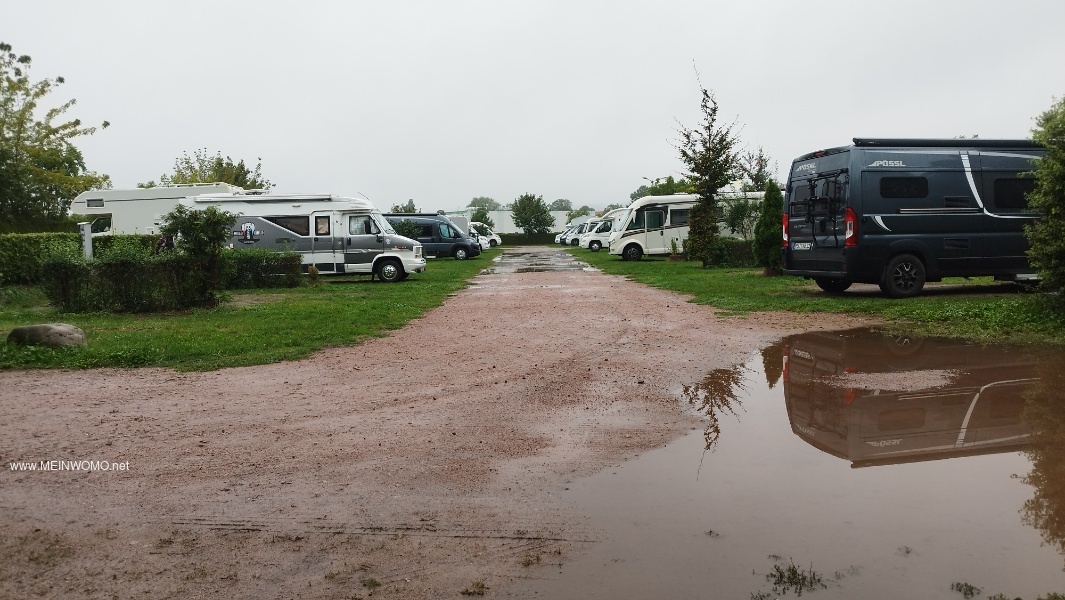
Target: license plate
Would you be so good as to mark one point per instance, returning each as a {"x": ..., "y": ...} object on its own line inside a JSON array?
[{"x": 802, "y": 246}]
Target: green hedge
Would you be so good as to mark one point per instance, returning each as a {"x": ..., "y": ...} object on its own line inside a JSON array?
[
  {"x": 22, "y": 254},
  {"x": 738, "y": 253},
  {"x": 128, "y": 279}
]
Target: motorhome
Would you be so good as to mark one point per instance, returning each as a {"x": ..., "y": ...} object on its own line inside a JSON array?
[
  {"x": 574, "y": 237},
  {"x": 141, "y": 210},
  {"x": 334, "y": 234},
  {"x": 599, "y": 235},
  {"x": 485, "y": 231},
  {"x": 651, "y": 225},
  {"x": 902, "y": 212}
]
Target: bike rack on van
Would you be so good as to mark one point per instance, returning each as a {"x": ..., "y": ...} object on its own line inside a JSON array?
[{"x": 831, "y": 202}]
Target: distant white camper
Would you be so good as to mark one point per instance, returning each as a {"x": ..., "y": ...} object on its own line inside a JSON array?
[
  {"x": 140, "y": 210},
  {"x": 336, "y": 235},
  {"x": 654, "y": 224},
  {"x": 599, "y": 235}
]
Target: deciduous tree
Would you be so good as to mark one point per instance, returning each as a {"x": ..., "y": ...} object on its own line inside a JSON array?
[
  {"x": 41, "y": 170},
  {"x": 709, "y": 152},
  {"x": 1047, "y": 235},
  {"x": 204, "y": 168},
  {"x": 486, "y": 202},
  {"x": 662, "y": 186},
  {"x": 561, "y": 204},
  {"x": 532, "y": 215},
  {"x": 480, "y": 215},
  {"x": 407, "y": 208}
]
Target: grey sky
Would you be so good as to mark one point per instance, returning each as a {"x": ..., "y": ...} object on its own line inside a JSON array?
[{"x": 445, "y": 101}]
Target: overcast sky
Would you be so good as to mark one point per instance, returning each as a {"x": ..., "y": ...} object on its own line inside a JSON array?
[{"x": 443, "y": 101}]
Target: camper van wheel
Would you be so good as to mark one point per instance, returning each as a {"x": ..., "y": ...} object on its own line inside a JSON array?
[
  {"x": 903, "y": 277},
  {"x": 491, "y": 243},
  {"x": 461, "y": 254},
  {"x": 832, "y": 286},
  {"x": 594, "y": 245},
  {"x": 632, "y": 252},
  {"x": 390, "y": 271}
]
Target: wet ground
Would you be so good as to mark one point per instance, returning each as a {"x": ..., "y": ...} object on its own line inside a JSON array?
[
  {"x": 516, "y": 261},
  {"x": 846, "y": 464}
]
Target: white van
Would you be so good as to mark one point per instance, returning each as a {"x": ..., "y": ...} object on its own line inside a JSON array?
[
  {"x": 493, "y": 238},
  {"x": 334, "y": 234},
  {"x": 599, "y": 235},
  {"x": 140, "y": 210}
]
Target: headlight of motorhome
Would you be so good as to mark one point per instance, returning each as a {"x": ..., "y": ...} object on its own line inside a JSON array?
[{"x": 418, "y": 251}]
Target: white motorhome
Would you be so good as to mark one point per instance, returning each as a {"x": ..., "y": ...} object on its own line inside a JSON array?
[
  {"x": 334, "y": 234},
  {"x": 651, "y": 225},
  {"x": 654, "y": 224},
  {"x": 599, "y": 235},
  {"x": 141, "y": 210},
  {"x": 493, "y": 238}
]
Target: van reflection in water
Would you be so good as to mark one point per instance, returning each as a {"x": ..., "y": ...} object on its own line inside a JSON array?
[
  {"x": 877, "y": 399},
  {"x": 858, "y": 395}
]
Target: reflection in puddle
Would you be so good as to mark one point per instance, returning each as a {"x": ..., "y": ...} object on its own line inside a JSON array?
[
  {"x": 854, "y": 463},
  {"x": 905, "y": 409}
]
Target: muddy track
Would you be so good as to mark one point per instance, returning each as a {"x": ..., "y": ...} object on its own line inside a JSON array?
[{"x": 391, "y": 467}]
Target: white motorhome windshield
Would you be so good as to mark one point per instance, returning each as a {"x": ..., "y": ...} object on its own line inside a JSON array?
[
  {"x": 604, "y": 226},
  {"x": 621, "y": 220}
]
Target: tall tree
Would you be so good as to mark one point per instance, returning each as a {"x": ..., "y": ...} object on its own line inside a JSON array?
[
  {"x": 767, "y": 232},
  {"x": 532, "y": 215},
  {"x": 480, "y": 215},
  {"x": 709, "y": 152},
  {"x": 486, "y": 202},
  {"x": 40, "y": 169},
  {"x": 1047, "y": 242},
  {"x": 577, "y": 213},
  {"x": 407, "y": 208},
  {"x": 204, "y": 168},
  {"x": 561, "y": 204}
]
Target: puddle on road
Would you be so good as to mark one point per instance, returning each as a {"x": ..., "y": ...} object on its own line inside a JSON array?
[
  {"x": 535, "y": 262},
  {"x": 856, "y": 464}
]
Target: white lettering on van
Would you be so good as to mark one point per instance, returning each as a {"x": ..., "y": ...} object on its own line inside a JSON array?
[
  {"x": 806, "y": 167},
  {"x": 882, "y": 443},
  {"x": 887, "y": 163}
]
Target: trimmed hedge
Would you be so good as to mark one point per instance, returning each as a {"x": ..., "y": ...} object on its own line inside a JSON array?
[
  {"x": 738, "y": 253},
  {"x": 22, "y": 254},
  {"x": 130, "y": 280}
]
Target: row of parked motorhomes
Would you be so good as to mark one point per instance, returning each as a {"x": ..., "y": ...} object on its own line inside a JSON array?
[
  {"x": 335, "y": 235},
  {"x": 893, "y": 212}
]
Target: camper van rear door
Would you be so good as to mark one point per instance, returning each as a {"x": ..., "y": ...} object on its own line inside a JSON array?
[{"x": 362, "y": 242}]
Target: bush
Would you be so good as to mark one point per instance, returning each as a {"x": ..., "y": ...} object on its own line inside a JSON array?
[
  {"x": 260, "y": 268},
  {"x": 23, "y": 254}
]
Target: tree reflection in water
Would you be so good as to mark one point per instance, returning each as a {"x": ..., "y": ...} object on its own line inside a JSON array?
[
  {"x": 716, "y": 395},
  {"x": 1044, "y": 411}
]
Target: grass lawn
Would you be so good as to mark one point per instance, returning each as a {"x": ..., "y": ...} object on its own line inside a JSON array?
[
  {"x": 255, "y": 327},
  {"x": 979, "y": 309}
]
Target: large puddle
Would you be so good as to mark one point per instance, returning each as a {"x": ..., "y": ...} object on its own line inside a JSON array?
[{"x": 842, "y": 465}]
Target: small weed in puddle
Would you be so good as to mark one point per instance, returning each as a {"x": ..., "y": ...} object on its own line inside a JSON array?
[{"x": 788, "y": 577}]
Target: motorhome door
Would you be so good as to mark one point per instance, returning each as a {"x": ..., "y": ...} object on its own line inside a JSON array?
[
  {"x": 324, "y": 253},
  {"x": 362, "y": 242}
]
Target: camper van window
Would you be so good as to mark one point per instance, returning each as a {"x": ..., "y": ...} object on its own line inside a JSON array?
[
  {"x": 297, "y": 225},
  {"x": 903, "y": 187},
  {"x": 94, "y": 203},
  {"x": 637, "y": 221},
  {"x": 679, "y": 217},
  {"x": 446, "y": 231},
  {"x": 1012, "y": 192},
  {"x": 321, "y": 225},
  {"x": 362, "y": 225}
]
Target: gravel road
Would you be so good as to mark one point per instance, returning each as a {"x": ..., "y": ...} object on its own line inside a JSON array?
[{"x": 410, "y": 466}]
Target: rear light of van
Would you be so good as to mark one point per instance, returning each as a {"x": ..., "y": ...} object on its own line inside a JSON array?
[
  {"x": 784, "y": 241},
  {"x": 851, "y": 223}
]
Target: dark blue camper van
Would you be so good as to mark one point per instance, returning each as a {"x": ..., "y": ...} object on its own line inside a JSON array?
[{"x": 900, "y": 212}]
